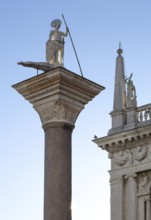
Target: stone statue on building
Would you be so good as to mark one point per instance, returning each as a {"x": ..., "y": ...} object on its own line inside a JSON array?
[
  {"x": 128, "y": 144},
  {"x": 55, "y": 44},
  {"x": 131, "y": 92}
]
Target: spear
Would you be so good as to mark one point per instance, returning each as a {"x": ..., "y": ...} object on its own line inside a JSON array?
[{"x": 72, "y": 45}]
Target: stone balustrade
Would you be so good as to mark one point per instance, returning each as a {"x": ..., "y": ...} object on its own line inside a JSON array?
[{"x": 144, "y": 113}]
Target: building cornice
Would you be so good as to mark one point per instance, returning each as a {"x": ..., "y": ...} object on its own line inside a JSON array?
[{"x": 124, "y": 140}]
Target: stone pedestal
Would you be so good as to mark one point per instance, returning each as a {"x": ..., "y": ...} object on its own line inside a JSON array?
[
  {"x": 132, "y": 118},
  {"x": 58, "y": 96},
  {"x": 118, "y": 121}
]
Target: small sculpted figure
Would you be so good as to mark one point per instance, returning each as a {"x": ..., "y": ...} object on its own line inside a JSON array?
[
  {"x": 142, "y": 183},
  {"x": 131, "y": 92},
  {"x": 55, "y": 44}
]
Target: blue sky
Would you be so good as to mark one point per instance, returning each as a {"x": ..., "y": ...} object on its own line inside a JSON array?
[{"x": 96, "y": 27}]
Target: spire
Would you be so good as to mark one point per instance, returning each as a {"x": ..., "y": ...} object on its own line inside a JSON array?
[
  {"x": 124, "y": 114},
  {"x": 119, "y": 87},
  {"x": 118, "y": 114}
]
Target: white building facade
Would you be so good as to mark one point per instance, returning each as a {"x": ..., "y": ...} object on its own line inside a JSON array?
[{"x": 128, "y": 144}]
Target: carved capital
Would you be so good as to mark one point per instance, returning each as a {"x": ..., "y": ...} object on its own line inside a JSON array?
[
  {"x": 58, "y": 95},
  {"x": 57, "y": 112},
  {"x": 130, "y": 176},
  {"x": 116, "y": 180}
]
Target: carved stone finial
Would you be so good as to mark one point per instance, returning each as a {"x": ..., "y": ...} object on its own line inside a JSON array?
[{"x": 119, "y": 51}]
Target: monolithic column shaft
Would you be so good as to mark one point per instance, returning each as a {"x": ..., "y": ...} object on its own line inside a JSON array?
[{"x": 57, "y": 183}]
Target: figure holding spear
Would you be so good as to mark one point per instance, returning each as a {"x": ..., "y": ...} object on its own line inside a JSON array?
[{"x": 55, "y": 44}]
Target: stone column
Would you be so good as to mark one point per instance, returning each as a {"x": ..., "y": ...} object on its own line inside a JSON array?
[
  {"x": 58, "y": 96},
  {"x": 131, "y": 201},
  {"x": 117, "y": 198},
  {"x": 57, "y": 184},
  {"x": 148, "y": 214}
]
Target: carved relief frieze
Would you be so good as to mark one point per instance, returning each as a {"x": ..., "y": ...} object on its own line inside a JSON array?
[
  {"x": 131, "y": 156},
  {"x": 122, "y": 158},
  {"x": 144, "y": 182},
  {"x": 139, "y": 154}
]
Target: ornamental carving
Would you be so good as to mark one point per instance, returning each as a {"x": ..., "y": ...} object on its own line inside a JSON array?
[
  {"x": 123, "y": 158},
  {"x": 140, "y": 154},
  {"x": 144, "y": 182},
  {"x": 134, "y": 156},
  {"x": 57, "y": 111}
]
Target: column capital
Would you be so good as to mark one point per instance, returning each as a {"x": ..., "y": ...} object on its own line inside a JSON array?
[
  {"x": 57, "y": 112},
  {"x": 130, "y": 175},
  {"x": 58, "y": 95}
]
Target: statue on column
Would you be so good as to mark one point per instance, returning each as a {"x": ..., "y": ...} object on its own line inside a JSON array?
[
  {"x": 54, "y": 49},
  {"x": 55, "y": 44}
]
